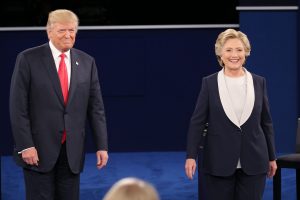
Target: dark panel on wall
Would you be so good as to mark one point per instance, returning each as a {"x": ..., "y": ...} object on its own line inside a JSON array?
[
  {"x": 275, "y": 58},
  {"x": 171, "y": 65},
  {"x": 121, "y": 59},
  {"x": 150, "y": 81},
  {"x": 113, "y": 12},
  {"x": 151, "y": 78}
]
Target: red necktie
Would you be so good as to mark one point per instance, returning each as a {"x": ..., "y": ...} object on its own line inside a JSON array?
[{"x": 63, "y": 77}]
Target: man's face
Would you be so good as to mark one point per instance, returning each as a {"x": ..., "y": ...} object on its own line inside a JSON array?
[{"x": 63, "y": 35}]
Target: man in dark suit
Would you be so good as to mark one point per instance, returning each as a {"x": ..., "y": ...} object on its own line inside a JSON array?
[{"x": 54, "y": 89}]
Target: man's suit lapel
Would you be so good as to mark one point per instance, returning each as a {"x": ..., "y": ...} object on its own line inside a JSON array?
[
  {"x": 74, "y": 74},
  {"x": 49, "y": 64}
]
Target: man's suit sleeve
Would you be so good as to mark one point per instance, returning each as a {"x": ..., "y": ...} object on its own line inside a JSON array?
[
  {"x": 96, "y": 112},
  {"x": 19, "y": 104}
]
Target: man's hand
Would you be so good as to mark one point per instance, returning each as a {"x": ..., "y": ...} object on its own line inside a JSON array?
[
  {"x": 102, "y": 158},
  {"x": 190, "y": 168},
  {"x": 30, "y": 156}
]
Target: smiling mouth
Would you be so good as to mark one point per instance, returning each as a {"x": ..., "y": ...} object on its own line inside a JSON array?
[{"x": 68, "y": 42}]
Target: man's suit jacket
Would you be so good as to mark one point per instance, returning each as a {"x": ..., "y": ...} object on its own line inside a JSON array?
[
  {"x": 250, "y": 139},
  {"x": 39, "y": 116}
]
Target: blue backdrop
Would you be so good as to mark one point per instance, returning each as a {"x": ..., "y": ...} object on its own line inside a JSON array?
[
  {"x": 274, "y": 37},
  {"x": 150, "y": 81},
  {"x": 151, "y": 78}
]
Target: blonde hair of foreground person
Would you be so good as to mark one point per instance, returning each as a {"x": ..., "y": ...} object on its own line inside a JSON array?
[{"x": 132, "y": 189}]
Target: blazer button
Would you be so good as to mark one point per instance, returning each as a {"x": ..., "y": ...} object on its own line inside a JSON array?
[{"x": 204, "y": 132}]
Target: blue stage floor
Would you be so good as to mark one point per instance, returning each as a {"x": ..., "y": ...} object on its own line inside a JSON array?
[{"x": 165, "y": 170}]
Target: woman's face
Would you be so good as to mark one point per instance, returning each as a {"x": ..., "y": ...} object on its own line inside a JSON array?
[{"x": 233, "y": 54}]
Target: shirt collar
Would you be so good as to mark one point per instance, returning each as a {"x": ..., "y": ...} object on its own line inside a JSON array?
[{"x": 56, "y": 53}]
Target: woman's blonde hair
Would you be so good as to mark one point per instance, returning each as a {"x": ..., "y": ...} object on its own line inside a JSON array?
[
  {"x": 132, "y": 189},
  {"x": 231, "y": 34}
]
